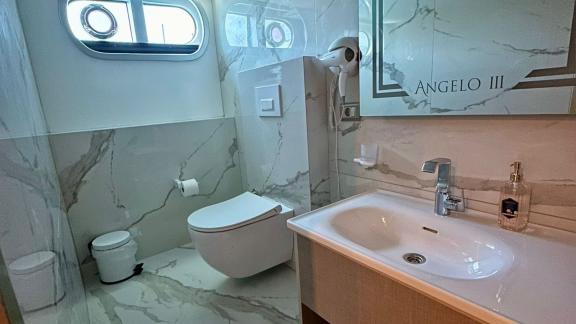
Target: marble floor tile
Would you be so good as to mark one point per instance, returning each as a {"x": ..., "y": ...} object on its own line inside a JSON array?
[
  {"x": 68, "y": 310},
  {"x": 177, "y": 286}
]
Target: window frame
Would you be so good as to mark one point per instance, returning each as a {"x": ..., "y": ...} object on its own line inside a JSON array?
[{"x": 139, "y": 25}]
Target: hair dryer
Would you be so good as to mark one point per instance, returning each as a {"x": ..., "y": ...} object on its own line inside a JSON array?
[{"x": 342, "y": 58}]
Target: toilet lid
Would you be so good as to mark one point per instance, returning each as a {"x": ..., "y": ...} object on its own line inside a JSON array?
[
  {"x": 111, "y": 240},
  {"x": 241, "y": 210},
  {"x": 32, "y": 262}
]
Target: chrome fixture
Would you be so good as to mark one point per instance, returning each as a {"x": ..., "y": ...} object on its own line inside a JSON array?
[
  {"x": 106, "y": 16},
  {"x": 414, "y": 258},
  {"x": 444, "y": 201}
]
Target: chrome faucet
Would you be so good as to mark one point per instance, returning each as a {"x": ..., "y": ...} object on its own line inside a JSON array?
[{"x": 444, "y": 201}]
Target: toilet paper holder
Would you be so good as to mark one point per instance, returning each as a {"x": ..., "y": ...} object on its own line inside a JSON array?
[{"x": 188, "y": 187}]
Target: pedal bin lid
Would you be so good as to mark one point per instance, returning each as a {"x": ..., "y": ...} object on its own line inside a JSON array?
[{"x": 111, "y": 240}]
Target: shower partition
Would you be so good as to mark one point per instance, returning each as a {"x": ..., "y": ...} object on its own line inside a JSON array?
[{"x": 31, "y": 214}]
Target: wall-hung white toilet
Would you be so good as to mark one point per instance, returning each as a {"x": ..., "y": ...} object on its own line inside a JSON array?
[
  {"x": 242, "y": 236},
  {"x": 36, "y": 280}
]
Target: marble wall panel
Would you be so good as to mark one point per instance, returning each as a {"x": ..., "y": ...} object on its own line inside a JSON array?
[
  {"x": 317, "y": 23},
  {"x": 317, "y": 131},
  {"x": 274, "y": 150},
  {"x": 32, "y": 218},
  {"x": 123, "y": 179},
  {"x": 286, "y": 157}
]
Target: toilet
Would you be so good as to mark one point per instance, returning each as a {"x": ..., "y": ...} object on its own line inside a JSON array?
[
  {"x": 36, "y": 280},
  {"x": 242, "y": 236}
]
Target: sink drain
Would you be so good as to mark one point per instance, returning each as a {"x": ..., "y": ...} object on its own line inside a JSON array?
[{"x": 414, "y": 258}]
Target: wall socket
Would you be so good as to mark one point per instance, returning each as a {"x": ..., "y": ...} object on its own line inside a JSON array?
[{"x": 351, "y": 111}]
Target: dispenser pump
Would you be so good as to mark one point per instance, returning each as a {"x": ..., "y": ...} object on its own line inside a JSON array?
[{"x": 515, "y": 175}]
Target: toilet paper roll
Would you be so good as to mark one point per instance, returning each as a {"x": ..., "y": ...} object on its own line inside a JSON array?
[{"x": 188, "y": 187}]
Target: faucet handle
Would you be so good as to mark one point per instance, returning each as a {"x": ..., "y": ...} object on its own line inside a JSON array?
[{"x": 454, "y": 203}]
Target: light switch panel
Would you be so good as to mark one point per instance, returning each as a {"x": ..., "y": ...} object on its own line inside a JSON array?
[
  {"x": 268, "y": 101},
  {"x": 267, "y": 104}
]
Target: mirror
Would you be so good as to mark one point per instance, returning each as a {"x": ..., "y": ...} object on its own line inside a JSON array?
[{"x": 467, "y": 57}]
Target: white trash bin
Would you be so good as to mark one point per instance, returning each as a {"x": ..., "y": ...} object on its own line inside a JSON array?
[
  {"x": 115, "y": 255},
  {"x": 36, "y": 280}
]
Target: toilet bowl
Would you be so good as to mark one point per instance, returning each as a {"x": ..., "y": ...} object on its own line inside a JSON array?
[{"x": 242, "y": 236}]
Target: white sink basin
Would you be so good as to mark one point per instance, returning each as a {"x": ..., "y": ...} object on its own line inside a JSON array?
[
  {"x": 442, "y": 247},
  {"x": 470, "y": 263}
]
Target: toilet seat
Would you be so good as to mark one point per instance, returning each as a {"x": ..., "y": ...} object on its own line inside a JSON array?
[{"x": 239, "y": 211}]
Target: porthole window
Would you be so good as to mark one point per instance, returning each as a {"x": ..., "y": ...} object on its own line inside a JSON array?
[
  {"x": 99, "y": 21},
  {"x": 278, "y": 34},
  {"x": 137, "y": 29}
]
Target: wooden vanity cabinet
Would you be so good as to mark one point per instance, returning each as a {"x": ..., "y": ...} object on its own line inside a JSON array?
[{"x": 335, "y": 289}]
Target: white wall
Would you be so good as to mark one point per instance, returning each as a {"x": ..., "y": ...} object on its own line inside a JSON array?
[{"x": 80, "y": 93}]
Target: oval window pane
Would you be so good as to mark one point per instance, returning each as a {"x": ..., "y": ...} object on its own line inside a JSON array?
[
  {"x": 159, "y": 29},
  {"x": 169, "y": 25}
]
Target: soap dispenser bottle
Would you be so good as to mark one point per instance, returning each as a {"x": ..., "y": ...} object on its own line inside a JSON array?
[{"x": 514, "y": 201}]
